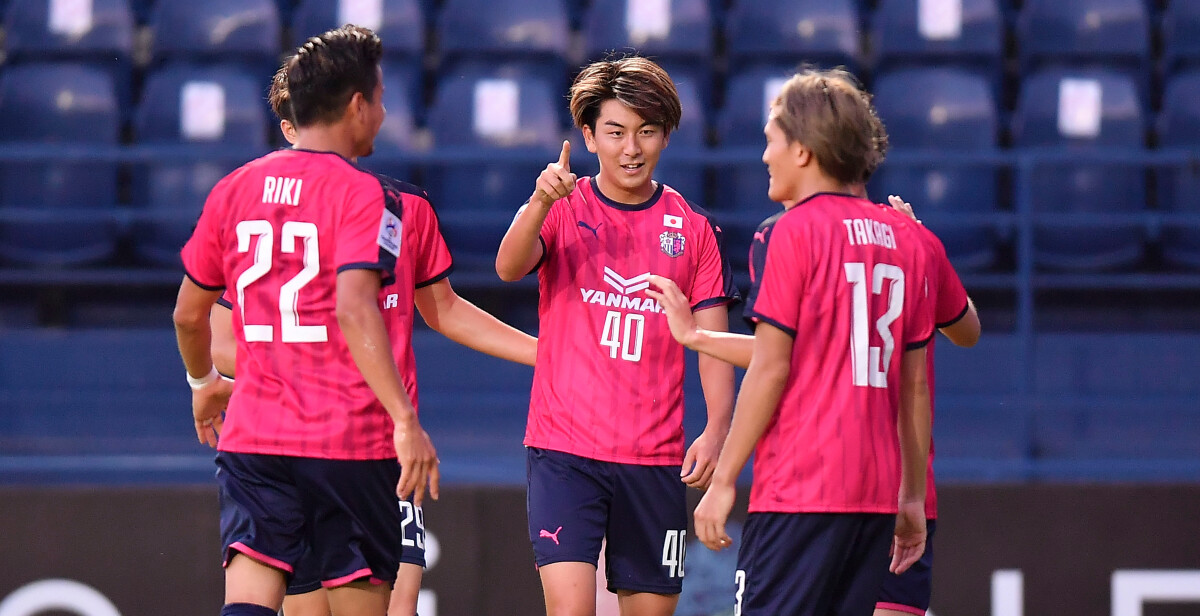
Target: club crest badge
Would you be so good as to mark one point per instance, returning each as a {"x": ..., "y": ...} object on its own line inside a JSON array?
[{"x": 671, "y": 243}]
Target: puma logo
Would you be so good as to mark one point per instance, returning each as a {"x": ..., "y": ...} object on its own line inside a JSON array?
[
  {"x": 546, "y": 533},
  {"x": 595, "y": 230},
  {"x": 760, "y": 236}
]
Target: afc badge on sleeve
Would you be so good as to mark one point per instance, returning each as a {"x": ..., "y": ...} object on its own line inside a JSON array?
[
  {"x": 389, "y": 233},
  {"x": 671, "y": 243}
]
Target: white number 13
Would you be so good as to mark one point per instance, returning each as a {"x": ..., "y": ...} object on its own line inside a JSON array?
[
  {"x": 869, "y": 364},
  {"x": 289, "y": 292}
]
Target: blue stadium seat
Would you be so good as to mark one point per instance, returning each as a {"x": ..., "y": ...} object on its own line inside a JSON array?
[
  {"x": 1179, "y": 128},
  {"x": 1181, "y": 35},
  {"x": 1114, "y": 34},
  {"x": 201, "y": 105},
  {"x": 825, "y": 32},
  {"x": 903, "y": 37},
  {"x": 1102, "y": 112},
  {"x": 101, "y": 36},
  {"x": 686, "y": 177},
  {"x": 683, "y": 31},
  {"x": 501, "y": 110},
  {"x": 742, "y": 187},
  {"x": 399, "y": 23},
  {"x": 57, "y": 213},
  {"x": 946, "y": 110},
  {"x": 532, "y": 31},
  {"x": 245, "y": 31}
]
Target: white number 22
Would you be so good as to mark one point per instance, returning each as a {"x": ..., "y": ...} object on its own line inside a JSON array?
[
  {"x": 289, "y": 292},
  {"x": 869, "y": 364}
]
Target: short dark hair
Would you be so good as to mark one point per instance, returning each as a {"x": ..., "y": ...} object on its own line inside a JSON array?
[
  {"x": 637, "y": 82},
  {"x": 328, "y": 69},
  {"x": 279, "y": 96},
  {"x": 832, "y": 116}
]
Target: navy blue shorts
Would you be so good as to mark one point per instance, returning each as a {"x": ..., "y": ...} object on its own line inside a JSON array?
[
  {"x": 910, "y": 591},
  {"x": 574, "y": 503},
  {"x": 812, "y": 564},
  {"x": 275, "y": 509},
  {"x": 306, "y": 578}
]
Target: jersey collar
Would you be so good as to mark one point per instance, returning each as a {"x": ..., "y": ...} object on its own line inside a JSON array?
[{"x": 636, "y": 207}]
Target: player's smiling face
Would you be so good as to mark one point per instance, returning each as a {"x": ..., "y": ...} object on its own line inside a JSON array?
[
  {"x": 782, "y": 160},
  {"x": 628, "y": 149}
]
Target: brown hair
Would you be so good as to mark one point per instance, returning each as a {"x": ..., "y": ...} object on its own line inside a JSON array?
[
  {"x": 328, "y": 69},
  {"x": 832, "y": 116},
  {"x": 279, "y": 97},
  {"x": 637, "y": 82}
]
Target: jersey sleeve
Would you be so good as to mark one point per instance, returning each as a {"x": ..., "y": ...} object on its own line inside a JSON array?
[
  {"x": 919, "y": 305},
  {"x": 713, "y": 284},
  {"x": 950, "y": 297},
  {"x": 551, "y": 226},
  {"x": 757, "y": 260},
  {"x": 370, "y": 229},
  {"x": 203, "y": 261},
  {"x": 783, "y": 279},
  {"x": 429, "y": 247}
]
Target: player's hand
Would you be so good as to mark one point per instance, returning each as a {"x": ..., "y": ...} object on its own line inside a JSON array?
[
  {"x": 711, "y": 514},
  {"x": 675, "y": 305},
  {"x": 909, "y": 543},
  {"x": 903, "y": 207},
  {"x": 418, "y": 461},
  {"x": 556, "y": 181},
  {"x": 700, "y": 461},
  {"x": 208, "y": 405}
]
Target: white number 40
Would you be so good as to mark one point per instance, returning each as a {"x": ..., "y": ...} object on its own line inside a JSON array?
[
  {"x": 674, "y": 548},
  {"x": 628, "y": 345},
  {"x": 869, "y": 364}
]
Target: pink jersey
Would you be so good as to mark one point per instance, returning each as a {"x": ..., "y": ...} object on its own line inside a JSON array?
[
  {"x": 608, "y": 382},
  {"x": 277, "y": 231},
  {"x": 846, "y": 279},
  {"x": 949, "y": 306}
]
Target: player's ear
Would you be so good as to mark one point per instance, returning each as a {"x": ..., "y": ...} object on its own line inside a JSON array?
[
  {"x": 589, "y": 139},
  {"x": 801, "y": 154}
]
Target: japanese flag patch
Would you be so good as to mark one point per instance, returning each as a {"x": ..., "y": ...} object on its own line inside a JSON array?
[{"x": 389, "y": 233}]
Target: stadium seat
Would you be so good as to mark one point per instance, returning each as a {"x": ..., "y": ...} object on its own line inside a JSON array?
[
  {"x": 946, "y": 110},
  {"x": 535, "y": 32},
  {"x": 98, "y": 33},
  {"x": 1114, "y": 34},
  {"x": 57, "y": 213},
  {"x": 200, "y": 105},
  {"x": 966, "y": 34},
  {"x": 689, "y": 139},
  {"x": 825, "y": 32},
  {"x": 399, "y": 23},
  {"x": 1181, "y": 36},
  {"x": 246, "y": 31},
  {"x": 679, "y": 29},
  {"x": 1179, "y": 128},
  {"x": 1083, "y": 111},
  {"x": 742, "y": 187},
  {"x": 506, "y": 111}
]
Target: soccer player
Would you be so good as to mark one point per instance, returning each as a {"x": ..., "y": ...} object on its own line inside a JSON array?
[
  {"x": 305, "y": 240},
  {"x": 837, "y": 411},
  {"x": 445, "y": 312},
  {"x": 605, "y": 433}
]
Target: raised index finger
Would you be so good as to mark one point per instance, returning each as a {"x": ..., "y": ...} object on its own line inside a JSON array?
[{"x": 564, "y": 157}]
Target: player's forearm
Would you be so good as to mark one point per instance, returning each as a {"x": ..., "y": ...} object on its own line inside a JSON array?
[
  {"x": 520, "y": 250},
  {"x": 472, "y": 327},
  {"x": 716, "y": 376},
  {"x": 757, "y": 399},
  {"x": 736, "y": 349},
  {"x": 914, "y": 423}
]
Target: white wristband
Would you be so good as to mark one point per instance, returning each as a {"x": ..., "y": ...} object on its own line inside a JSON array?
[{"x": 199, "y": 383}]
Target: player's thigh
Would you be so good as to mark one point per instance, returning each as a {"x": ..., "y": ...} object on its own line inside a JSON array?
[
  {"x": 909, "y": 592},
  {"x": 355, "y": 520},
  {"x": 569, "y": 588},
  {"x": 568, "y": 501},
  {"x": 811, "y": 564},
  {"x": 647, "y": 530},
  {"x": 359, "y": 598},
  {"x": 262, "y": 510},
  {"x": 311, "y": 603},
  {"x": 407, "y": 590},
  {"x": 646, "y": 603}
]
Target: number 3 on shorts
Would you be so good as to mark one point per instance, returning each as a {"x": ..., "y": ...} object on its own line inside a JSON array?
[{"x": 674, "y": 548}]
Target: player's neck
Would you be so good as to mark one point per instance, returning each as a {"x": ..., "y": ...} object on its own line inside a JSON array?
[
  {"x": 624, "y": 196},
  {"x": 813, "y": 184},
  {"x": 327, "y": 138}
]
